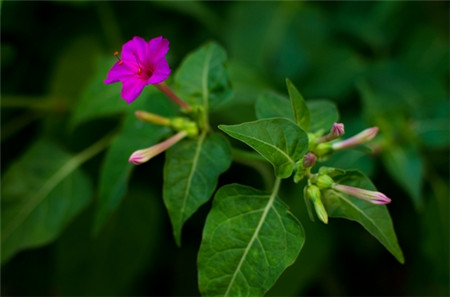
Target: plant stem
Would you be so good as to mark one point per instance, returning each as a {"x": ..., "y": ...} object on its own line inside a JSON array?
[{"x": 172, "y": 96}]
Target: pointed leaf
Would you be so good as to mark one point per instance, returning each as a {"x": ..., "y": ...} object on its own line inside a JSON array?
[
  {"x": 301, "y": 111},
  {"x": 249, "y": 239},
  {"x": 278, "y": 140},
  {"x": 374, "y": 218},
  {"x": 202, "y": 78},
  {"x": 41, "y": 193},
  {"x": 190, "y": 176},
  {"x": 116, "y": 169}
]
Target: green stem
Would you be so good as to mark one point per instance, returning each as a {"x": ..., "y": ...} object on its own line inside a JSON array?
[{"x": 53, "y": 181}]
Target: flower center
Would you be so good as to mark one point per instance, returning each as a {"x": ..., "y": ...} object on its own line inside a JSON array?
[{"x": 146, "y": 71}]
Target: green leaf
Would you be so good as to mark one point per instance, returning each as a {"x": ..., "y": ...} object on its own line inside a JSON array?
[
  {"x": 301, "y": 110},
  {"x": 278, "y": 140},
  {"x": 134, "y": 135},
  {"x": 190, "y": 176},
  {"x": 272, "y": 105},
  {"x": 374, "y": 218},
  {"x": 202, "y": 78},
  {"x": 249, "y": 239},
  {"x": 41, "y": 193},
  {"x": 405, "y": 165},
  {"x": 323, "y": 115}
]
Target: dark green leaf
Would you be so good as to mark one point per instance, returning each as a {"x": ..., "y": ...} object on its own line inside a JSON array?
[
  {"x": 405, "y": 166},
  {"x": 41, "y": 193},
  {"x": 202, "y": 78},
  {"x": 134, "y": 135},
  {"x": 301, "y": 111},
  {"x": 374, "y": 218},
  {"x": 249, "y": 239},
  {"x": 190, "y": 176},
  {"x": 278, "y": 140}
]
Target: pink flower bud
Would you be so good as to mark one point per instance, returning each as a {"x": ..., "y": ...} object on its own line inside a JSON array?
[
  {"x": 337, "y": 130},
  {"x": 369, "y": 196},
  {"x": 309, "y": 160},
  {"x": 141, "y": 156},
  {"x": 360, "y": 138}
]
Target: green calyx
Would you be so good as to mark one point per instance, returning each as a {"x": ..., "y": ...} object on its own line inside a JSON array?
[{"x": 183, "y": 124}]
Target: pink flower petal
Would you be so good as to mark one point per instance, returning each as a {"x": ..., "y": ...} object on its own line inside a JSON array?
[
  {"x": 121, "y": 72},
  {"x": 131, "y": 89},
  {"x": 158, "y": 48},
  {"x": 135, "y": 50},
  {"x": 162, "y": 71}
]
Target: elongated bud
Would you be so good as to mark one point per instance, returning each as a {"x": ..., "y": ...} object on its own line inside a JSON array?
[
  {"x": 369, "y": 196},
  {"x": 313, "y": 193},
  {"x": 337, "y": 130},
  {"x": 360, "y": 138},
  {"x": 323, "y": 181},
  {"x": 141, "y": 156},
  {"x": 152, "y": 118}
]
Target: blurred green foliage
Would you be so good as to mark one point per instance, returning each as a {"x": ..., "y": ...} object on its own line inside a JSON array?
[{"x": 382, "y": 63}]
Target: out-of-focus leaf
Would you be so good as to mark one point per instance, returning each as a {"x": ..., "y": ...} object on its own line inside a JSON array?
[
  {"x": 272, "y": 105},
  {"x": 351, "y": 159},
  {"x": 41, "y": 193},
  {"x": 133, "y": 136},
  {"x": 114, "y": 261},
  {"x": 73, "y": 70},
  {"x": 374, "y": 218},
  {"x": 280, "y": 141},
  {"x": 202, "y": 79},
  {"x": 249, "y": 239},
  {"x": 190, "y": 176},
  {"x": 405, "y": 165},
  {"x": 299, "y": 107},
  {"x": 323, "y": 115}
]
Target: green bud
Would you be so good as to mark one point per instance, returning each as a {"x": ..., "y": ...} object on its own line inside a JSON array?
[
  {"x": 177, "y": 123},
  {"x": 191, "y": 129},
  {"x": 313, "y": 193},
  {"x": 320, "y": 211},
  {"x": 323, "y": 181}
]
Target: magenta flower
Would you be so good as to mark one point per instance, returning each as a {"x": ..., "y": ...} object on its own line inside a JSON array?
[{"x": 141, "y": 63}]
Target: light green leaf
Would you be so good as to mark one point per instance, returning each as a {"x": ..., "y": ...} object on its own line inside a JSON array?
[
  {"x": 374, "y": 218},
  {"x": 202, "y": 78},
  {"x": 323, "y": 115},
  {"x": 41, "y": 193},
  {"x": 278, "y": 140},
  {"x": 301, "y": 110},
  {"x": 190, "y": 176},
  {"x": 116, "y": 169},
  {"x": 405, "y": 166},
  {"x": 249, "y": 239}
]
